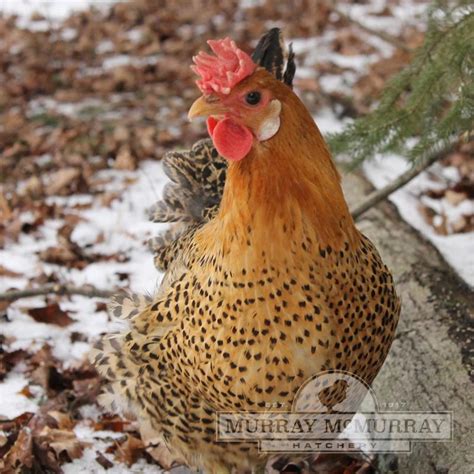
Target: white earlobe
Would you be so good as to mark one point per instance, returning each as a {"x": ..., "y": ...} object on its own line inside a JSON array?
[{"x": 271, "y": 124}]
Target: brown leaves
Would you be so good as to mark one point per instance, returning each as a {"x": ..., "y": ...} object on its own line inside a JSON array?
[
  {"x": 348, "y": 43},
  {"x": 63, "y": 443},
  {"x": 38, "y": 442},
  {"x": 103, "y": 461},
  {"x": 21, "y": 453},
  {"x": 71, "y": 254},
  {"x": 368, "y": 87},
  {"x": 125, "y": 160},
  {"x": 112, "y": 423},
  {"x": 8, "y": 360},
  {"x": 448, "y": 209},
  {"x": 45, "y": 440},
  {"x": 129, "y": 450},
  {"x": 75, "y": 116},
  {"x": 51, "y": 314},
  {"x": 64, "y": 181}
]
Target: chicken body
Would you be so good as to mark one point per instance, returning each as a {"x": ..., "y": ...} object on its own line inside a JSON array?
[{"x": 277, "y": 287}]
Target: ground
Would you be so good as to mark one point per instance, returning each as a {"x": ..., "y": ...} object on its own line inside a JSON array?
[{"x": 90, "y": 101}]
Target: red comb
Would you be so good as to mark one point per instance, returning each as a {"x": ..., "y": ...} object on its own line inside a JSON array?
[{"x": 223, "y": 71}]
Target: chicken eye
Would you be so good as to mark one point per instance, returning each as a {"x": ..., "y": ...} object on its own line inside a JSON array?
[{"x": 253, "y": 98}]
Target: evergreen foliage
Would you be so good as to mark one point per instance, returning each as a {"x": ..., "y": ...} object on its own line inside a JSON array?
[{"x": 431, "y": 100}]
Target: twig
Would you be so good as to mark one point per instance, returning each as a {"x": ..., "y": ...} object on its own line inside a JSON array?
[
  {"x": 403, "y": 179},
  {"x": 56, "y": 289},
  {"x": 381, "y": 34}
]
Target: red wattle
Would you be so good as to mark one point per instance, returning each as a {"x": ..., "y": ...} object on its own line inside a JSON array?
[
  {"x": 211, "y": 124},
  {"x": 232, "y": 141}
]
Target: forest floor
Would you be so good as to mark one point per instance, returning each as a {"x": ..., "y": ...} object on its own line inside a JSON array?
[{"x": 90, "y": 100}]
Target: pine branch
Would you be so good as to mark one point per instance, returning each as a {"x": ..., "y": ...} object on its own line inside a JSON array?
[
  {"x": 56, "y": 289},
  {"x": 380, "y": 34},
  {"x": 430, "y": 100},
  {"x": 377, "y": 196}
]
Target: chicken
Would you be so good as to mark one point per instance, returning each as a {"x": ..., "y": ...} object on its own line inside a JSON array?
[{"x": 268, "y": 282}]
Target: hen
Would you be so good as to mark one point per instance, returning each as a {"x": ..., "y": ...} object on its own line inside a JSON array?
[{"x": 268, "y": 282}]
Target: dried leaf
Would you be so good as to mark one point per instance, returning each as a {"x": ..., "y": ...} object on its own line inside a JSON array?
[
  {"x": 17, "y": 423},
  {"x": 5, "y": 211},
  {"x": 64, "y": 443},
  {"x": 63, "y": 420},
  {"x": 103, "y": 461},
  {"x": 125, "y": 160},
  {"x": 8, "y": 360},
  {"x": 162, "y": 455},
  {"x": 51, "y": 314},
  {"x": 26, "y": 392},
  {"x": 4, "y": 305},
  {"x": 308, "y": 84},
  {"x": 33, "y": 187},
  {"x": 427, "y": 213},
  {"x": 61, "y": 179},
  {"x": 130, "y": 450},
  {"x": 58, "y": 255},
  {"x": 21, "y": 453},
  {"x": 87, "y": 390},
  {"x": 455, "y": 198},
  {"x": 112, "y": 423}
]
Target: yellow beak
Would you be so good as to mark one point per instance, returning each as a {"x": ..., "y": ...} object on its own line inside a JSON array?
[{"x": 205, "y": 106}]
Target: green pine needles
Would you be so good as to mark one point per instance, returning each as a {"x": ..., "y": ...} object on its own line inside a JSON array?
[{"x": 429, "y": 105}]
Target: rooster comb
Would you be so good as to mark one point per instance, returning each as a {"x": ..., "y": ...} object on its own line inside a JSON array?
[{"x": 220, "y": 73}]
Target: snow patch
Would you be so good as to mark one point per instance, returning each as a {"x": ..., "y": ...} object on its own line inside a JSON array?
[
  {"x": 50, "y": 9},
  {"x": 13, "y": 402}
]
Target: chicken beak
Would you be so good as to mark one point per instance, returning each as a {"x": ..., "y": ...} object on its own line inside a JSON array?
[{"x": 206, "y": 106}]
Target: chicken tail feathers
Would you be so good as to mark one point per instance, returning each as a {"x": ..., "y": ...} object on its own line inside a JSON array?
[
  {"x": 272, "y": 54},
  {"x": 197, "y": 182},
  {"x": 114, "y": 360},
  {"x": 118, "y": 391},
  {"x": 191, "y": 198}
]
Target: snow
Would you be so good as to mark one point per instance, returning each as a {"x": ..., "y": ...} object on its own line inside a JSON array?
[
  {"x": 50, "y": 9},
  {"x": 13, "y": 402},
  {"x": 135, "y": 35},
  {"x": 68, "y": 34}
]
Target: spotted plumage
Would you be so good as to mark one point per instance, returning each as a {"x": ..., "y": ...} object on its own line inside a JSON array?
[{"x": 268, "y": 284}]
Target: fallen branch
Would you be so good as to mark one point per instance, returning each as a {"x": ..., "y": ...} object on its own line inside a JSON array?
[
  {"x": 381, "y": 194},
  {"x": 381, "y": 34},
  {"x": 56, "y": 289}
]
